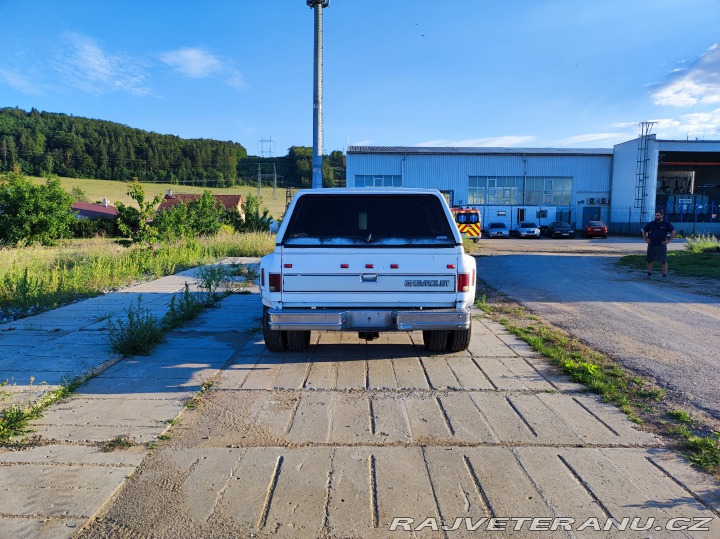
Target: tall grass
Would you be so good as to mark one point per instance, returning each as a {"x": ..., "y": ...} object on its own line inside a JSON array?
[{"x": 36, "y": 279}]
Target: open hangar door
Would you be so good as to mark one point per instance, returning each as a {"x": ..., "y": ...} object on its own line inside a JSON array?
[{"x": 688, "y": 184}]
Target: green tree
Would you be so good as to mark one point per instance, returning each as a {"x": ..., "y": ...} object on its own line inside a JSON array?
[
  {"x": 134, "y": 222},
  {"x": 205, "y": 215},
  {"x": 33, "y": 213}
]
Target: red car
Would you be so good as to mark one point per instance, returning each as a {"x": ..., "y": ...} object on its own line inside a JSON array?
[{"x": 594, "y": 229}]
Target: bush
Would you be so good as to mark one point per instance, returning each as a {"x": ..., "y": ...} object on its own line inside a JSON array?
[
  {"x": 202, "y": 217},
  {"x": 91, "y": 228},
  {"x": 702, "y": 243},
  {"x": 255, "y": 220},
  {"x": 33, "y": 213}
]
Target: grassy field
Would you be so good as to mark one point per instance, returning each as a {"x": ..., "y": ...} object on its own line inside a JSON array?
[
  {"x": 96, "y": 190},
  {"x": 34, "y": 279},
  {"x": 701, "y": 258}
]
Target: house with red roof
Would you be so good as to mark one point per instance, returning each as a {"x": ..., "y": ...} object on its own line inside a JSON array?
[
  {"x": 88, "y": 210},
  {"x": 228, "y": 202}
]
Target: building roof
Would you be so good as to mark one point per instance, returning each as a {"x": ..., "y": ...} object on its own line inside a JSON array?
[
  {"x": 87, "y": 209},
  {"x": 229, "y": 202},
  {"x": 449, "y": 150}
]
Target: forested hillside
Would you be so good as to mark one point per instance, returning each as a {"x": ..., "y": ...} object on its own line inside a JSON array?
[{"x": 43, "y": 143}]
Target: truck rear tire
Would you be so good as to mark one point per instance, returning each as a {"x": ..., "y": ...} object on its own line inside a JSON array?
[
  {"x": 459, "y": 339},
  {"x": 297, "y": 341},
  {"x": 435, "y": 340},
  {"x": 275, "y": 341}
]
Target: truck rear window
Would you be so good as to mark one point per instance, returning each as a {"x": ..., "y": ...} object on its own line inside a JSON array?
[{"x": 368, "y": 220}]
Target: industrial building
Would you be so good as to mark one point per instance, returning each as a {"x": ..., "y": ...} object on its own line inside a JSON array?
[{"x": 622, "y": 186}]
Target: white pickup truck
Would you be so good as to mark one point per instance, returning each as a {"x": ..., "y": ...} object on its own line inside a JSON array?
[{"x": 368, "y": 261}]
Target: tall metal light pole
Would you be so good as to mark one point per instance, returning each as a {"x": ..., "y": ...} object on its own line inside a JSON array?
[{"x": 317, "y": 177}]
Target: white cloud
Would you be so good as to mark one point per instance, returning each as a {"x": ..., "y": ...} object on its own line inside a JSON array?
[
  {"x": 695, "y": 125},
  {"x": 194, "y": 63},
  {"x": 692, "y": 125},
  {"x": 496, "y": 142},
  {"x": 17, "y": 81},
  {"x": 91, "y": 69},
  {"x": 697, "y": 84},
  {"x": 197, "y": 63}
]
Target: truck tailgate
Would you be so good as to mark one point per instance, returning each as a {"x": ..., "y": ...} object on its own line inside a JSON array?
[{"x": 340, "y": 277}]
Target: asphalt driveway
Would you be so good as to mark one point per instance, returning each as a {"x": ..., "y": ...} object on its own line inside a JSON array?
[{"x": 665, "y": 329}]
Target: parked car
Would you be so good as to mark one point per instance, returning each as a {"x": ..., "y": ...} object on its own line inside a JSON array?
[
  {"x": 560, "y": 229},
  {"x": 497, "y": 230},
  {"x": 527, "y": 230},
  {"x": 594, "y": 229}
]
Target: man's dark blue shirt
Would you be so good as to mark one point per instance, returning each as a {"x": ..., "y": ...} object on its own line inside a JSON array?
[{"x": 658, "y": 231}]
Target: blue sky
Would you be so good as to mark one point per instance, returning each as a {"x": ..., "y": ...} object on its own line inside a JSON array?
[{"x": 562, "y": 73}]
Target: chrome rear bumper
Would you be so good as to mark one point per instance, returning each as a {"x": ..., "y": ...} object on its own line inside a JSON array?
[{"x": 376, "y": 320}]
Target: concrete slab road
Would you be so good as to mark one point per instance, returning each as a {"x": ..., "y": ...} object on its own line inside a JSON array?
[{"x": 348, "y": 439}]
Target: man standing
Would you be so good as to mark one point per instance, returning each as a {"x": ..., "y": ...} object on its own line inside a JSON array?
[{"x": 657, "y": 234}]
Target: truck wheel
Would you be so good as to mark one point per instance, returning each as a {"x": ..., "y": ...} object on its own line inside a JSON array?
[
  {"x": 275, "y": 341},
  {"x": 297, "y": 341},
  {"x": 459, "y": 339},
  {"x": 435, "y": 340}
]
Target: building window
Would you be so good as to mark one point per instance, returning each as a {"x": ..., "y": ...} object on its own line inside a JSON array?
[
  {"x": 516, "y": 190},
  {"x": 378, "y": 180}
]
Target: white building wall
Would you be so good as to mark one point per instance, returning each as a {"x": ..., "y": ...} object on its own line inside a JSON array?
[{"x": 624, "y": 180}]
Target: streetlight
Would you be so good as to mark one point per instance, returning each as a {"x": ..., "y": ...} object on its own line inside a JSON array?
[{"x": 317, "y": 177}]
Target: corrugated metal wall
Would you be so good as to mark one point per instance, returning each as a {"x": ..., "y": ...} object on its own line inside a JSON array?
[{"x": 590, "y": 173}]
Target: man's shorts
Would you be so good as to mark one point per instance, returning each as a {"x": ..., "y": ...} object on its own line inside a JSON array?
[{"x": 657, "y": 252}]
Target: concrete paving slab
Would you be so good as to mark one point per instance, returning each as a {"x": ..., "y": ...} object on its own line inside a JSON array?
[
  {"x": 468, "y": 373},
  {"x": 352, "y": 374},
  {"x": 622, "y": 490},
  {"x": 439, "y": 373},
  {"x": 410, "y": 373},
  {"x": 381, "y": 374},
  {"x": 33, "y": 527},
  {"x": 73, "y": 455},
  {"x": 79, "y": 411},
  {"x": 99, "y": 434},
  {"x": 57, "y": 491}
]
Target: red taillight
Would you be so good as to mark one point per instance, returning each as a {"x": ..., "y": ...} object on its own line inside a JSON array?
[
  {"x": 275, "y": 282},
  {"x": 465, "y": 281}
]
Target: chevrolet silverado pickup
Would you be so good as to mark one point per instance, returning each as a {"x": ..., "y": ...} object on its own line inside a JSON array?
[{"x": 368, "y": 261}]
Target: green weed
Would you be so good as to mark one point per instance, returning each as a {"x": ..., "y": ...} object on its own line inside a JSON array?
[
  {"x": 14, "y": 419},
  {"x": 138, "y": 334},
  {"x": 680, "y": 415}
]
